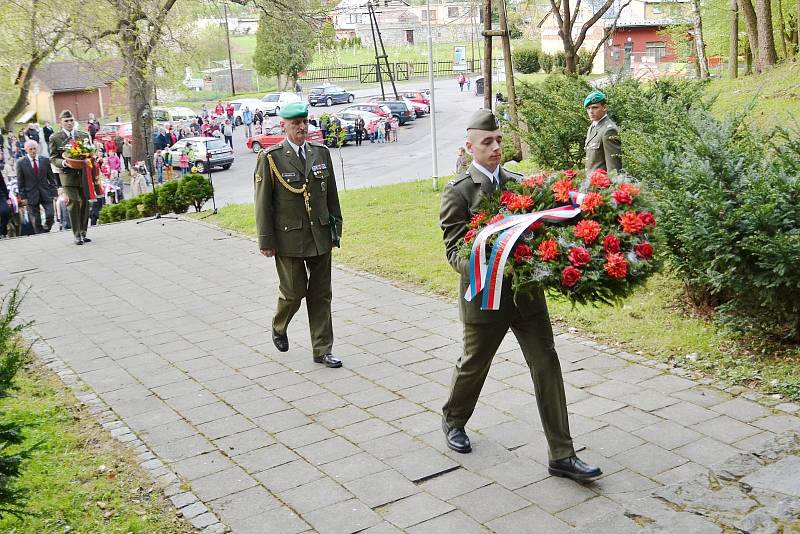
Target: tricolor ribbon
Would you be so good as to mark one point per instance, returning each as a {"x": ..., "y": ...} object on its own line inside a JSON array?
[{"x": 489, "y": 276}]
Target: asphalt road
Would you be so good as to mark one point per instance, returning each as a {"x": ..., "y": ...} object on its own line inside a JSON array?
[{"x": 373, "y": 164}]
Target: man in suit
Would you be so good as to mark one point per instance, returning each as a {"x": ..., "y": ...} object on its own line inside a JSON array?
[
  {"x": 298, "y": 220},
  {"x": 603, "y": 148},
  {"x": 484, "y": 330},
  {"x": 37, "y": 186},
  {"x": 72, "y": 180},
  {"x": 5, "y": 206}
]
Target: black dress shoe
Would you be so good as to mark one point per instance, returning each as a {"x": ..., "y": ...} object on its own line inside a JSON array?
[
  {"x": 281, "y": 341},
  {"x": 456, "y": 438},
  {"x": 574, "y": 468},
  {"x": 329, "y": 360},
  {"x": 86, "y": 239},
  {"x": 79, "y": 240}
]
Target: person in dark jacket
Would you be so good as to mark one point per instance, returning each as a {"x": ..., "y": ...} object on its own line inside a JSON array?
[
  {"x": 5, "y": 206},
  {"x": 37, "y": 186}
]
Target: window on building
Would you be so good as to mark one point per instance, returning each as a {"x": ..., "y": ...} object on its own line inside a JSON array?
[
  {"x": 452, "y": 12},
  {"x": 431, "y": 14},
  {"x": 656, "y": 49},
  {"x": 355, "y": 18}
]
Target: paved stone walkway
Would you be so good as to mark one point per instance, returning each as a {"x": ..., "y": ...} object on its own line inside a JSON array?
[{"x": 164, "y": 331}]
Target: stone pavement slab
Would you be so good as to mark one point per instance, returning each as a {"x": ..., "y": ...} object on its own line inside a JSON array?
[{"x": 163, "y": 330}]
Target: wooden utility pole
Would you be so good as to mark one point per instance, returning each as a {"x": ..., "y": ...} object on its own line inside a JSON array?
[
  {"x": 487, "y": 54},
  {"x": 512, "y": 94},
  {"x": 733, "y": 40}
]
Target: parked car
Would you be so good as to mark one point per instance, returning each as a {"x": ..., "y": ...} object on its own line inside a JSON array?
[
  {"x": 276, "y": 135},
  {"x": 400, "y": 109},
  {"x": 239, "y": 105},
  {"x": 112, "y": 129},
  {"x": 417, "y": 96},
  {"x": 329, "y": 95},
  {"x": 221, "y": 155},
  {"x": 174, "y": 116},
  {"x": 370, "y": 107},
  {"x": 418, "y": 108},
  {"x": 271, "y": 103}
]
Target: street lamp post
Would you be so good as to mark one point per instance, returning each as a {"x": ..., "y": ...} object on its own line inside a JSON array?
[{"x": 435, "y": 153}]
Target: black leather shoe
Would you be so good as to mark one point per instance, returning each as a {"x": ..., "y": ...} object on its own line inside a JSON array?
[
  {"x": 79, "y": 240},
  {"x": 281, "y": 341},
  {"x": 574, "y": 468},
  {"x": 456, "y": 438},
  {"x": 86, "y": 239},
  {"x": 329, "y": 360}
]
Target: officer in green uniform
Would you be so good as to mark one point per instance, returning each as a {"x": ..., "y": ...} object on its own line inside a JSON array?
[
  {"x": 603, "y": 148},
  {"x": 298, "y": 220},
  {"x": 72, "y": 180},
  {"x": 484, "y": 330}
]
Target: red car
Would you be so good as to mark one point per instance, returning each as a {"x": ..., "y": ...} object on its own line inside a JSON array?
[
  {"x": 370, "y": 107},
  {"x": 276, "y": 135},
  {"x": 108, "y": 132},
  {"x": 417, "y": 96}
]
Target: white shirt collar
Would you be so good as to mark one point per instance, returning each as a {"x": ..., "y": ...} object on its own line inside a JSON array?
[
  {"x": 595, "y": 123},
  {"x": 32, "y": 159},
  {"x": 296, "y": 148},
  {"x": 495, "y": 176}
]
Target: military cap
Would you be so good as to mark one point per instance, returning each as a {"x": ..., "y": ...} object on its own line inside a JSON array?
[
  {"x": 66, "y": 114},
  {"x": 483, "y": 119},
  {"x": 294, "y": 110},
  {"x": 595, "y": 97}
]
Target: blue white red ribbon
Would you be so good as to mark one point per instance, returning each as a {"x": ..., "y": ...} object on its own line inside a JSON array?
[{"x": 489, "y": 276}]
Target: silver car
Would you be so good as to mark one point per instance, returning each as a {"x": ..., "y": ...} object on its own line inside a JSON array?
[{"x": 208, "y": 152}]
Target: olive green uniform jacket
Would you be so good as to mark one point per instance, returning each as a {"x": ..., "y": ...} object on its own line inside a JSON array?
[
  {"x": 603, "y": 148},
  {"x": 282, "y": 222},
  {"x": 72, "y": 181}
]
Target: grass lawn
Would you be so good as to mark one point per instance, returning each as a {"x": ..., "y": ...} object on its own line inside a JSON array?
[
  {"x": 776, "y": 95},
  {"x": 393, "y": 231},
  {"x": 66, "y": 490}
]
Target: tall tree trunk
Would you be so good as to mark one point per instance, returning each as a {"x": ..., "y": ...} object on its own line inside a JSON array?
[
  {"x": 751, "y": 26},
  {"x": 699, "y": 42},
  {"x": 782, "y": 29},
  {"x": 22, "y": 97},
  {"x": 570, "y": 63},
  {"x": 767, "y": 56},
  {"x": 140, "y": 89},
  {"x": 748, "y": 61},
  {"x": 733, "y": 42},
  {"x": 797, "y": 24}
]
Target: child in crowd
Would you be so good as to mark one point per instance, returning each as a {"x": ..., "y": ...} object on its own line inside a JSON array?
[
  {"x": 159, "y": 161},
  {"x": 183, "y": 161},
  {"x": 62, "y": 214},
  {"x": 138, "y": 183},
  {"x": 387, "y": 126},
  {"x": 380, "y": 131},
  {"x": 395, "y": 126},
  {"x": 167, "y": 155}
]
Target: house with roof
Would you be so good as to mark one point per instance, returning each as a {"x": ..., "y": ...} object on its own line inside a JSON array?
[{"x": 80, "y": 87}]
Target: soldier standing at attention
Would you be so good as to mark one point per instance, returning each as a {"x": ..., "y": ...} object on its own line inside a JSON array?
[
  {"x": 72, "y": 180},
  {"x": 603, "y": 148},
  {"x": 298, "y": 221},
  {"x": 484, "y": 330}
]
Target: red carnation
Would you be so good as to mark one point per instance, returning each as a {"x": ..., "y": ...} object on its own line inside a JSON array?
[
  {"x": 534, "y": 181},
  {"x": 505, "y": 197},
  {"x": 477, "y": 219},
  {"x": 647, "y": 219},
  {"x": 629, "y": 188},
  {"x": 644, "y": 250},
  {"x": 587, "y": 230},
  {"x": 538, "y": 225},
  {"x": 570, "y": 276},
  {"x": 579, "y": 256},
  {"x": 616, "y": 266},
  {"x": 621, "y": 197},
  {"x": 469, "y": 237},
  {"x": 497, "y": 218},
  {"x": 520, "y": 203},
  {"x": 548, "y": 250},
  {"x": 611, "y": 244},
  {"x": 569, "y": 173},
  {"x": 599, "y": 178},
  {"x": 591, "y": 201},
  {"x": 561, "y": 190},
  {"x": 631, "y": 223},
  {"x": 522, "y": 252}
]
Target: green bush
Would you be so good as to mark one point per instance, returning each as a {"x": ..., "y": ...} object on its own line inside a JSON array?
[
  {"x": 546, "y": 62},
  {"x": 584, "y": 61},
  {"x": 13, "y": 356},
  {"x": 526, "y": 59},
  {"x": 195, "y": 189},
  {"x": 169, "y": 198}
]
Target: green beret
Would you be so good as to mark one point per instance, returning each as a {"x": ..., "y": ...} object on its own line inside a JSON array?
[
  {"x": 595, "y": 97},
  {"x": 483, "y": 119},
  {"x": 294, "y": 110}
]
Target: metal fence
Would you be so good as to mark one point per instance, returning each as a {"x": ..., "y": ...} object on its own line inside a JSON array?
[{"x": 401, "y": 71}]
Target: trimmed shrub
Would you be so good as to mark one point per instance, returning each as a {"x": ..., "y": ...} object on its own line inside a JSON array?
[
  {"x": 170, "y": 200},
  {"x": 546, "y": 62},
  {"x": 526, "y": 59},
  {"x": 195, "y": 190}
]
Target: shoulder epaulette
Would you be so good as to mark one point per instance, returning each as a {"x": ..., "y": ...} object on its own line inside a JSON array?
[
  {"x": 458, "y": 179},
  {"x": 321, "y": 145},
  {"x": 514, "y": 174}
]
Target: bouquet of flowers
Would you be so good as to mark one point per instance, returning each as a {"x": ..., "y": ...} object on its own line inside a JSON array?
[
  {"x": 79, "y": 155},
  {"x": 543, "y": 232}
]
